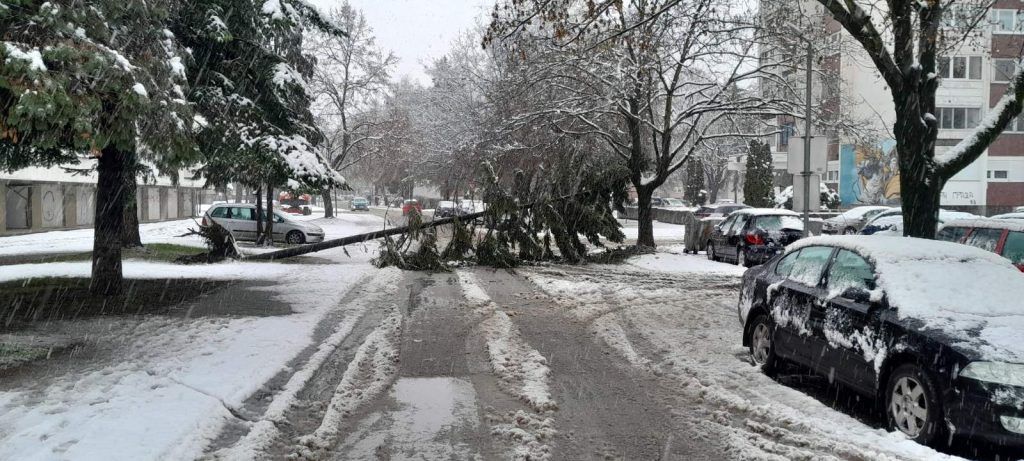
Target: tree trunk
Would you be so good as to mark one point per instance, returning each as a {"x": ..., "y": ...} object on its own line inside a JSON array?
[
  {"x": 259, "y": 214},
  {"x": 269, "y": 240},
  {"x": 645, "y": 217},
  {"x": 328, "y": 202},
  {"x": 131, "y": 237},
  {"x": 920, "y": 191},
  {"x": 111, "y": 195}
]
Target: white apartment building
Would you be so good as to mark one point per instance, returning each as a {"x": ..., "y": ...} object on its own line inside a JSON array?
[{"x": 973, "y": 78}]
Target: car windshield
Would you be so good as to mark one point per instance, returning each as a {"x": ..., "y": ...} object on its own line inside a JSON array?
[
  {"x": 673, "y": 202},
  {"x": 1013, "y": 248},
  {"x": 861, "y": 212},
  {"x": 777, "y": 223}
]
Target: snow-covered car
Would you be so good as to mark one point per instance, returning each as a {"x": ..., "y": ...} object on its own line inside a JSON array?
[
  {"x": 751, "y": 236},
  {"x": 929, "y": 329},
  {"x": 718, "y": 209},
  {"x": 1003, "y": 237},
  {"x": 852, "y": 220},
  {"x": 1009, "y": 216},
  {"x": 240, "y": 219},
  {"x": 672, "y": 203},
  {"x": 447, "y": 209},
  {"x": 891, "y": 222}
]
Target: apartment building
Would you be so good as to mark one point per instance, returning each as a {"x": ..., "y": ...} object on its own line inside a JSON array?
[{"x": 973, "y": 77}]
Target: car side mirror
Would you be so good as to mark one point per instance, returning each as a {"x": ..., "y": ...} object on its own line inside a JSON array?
[{"x": 857, "y": 294}]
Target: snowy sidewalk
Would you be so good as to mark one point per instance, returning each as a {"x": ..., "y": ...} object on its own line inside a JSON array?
[{"x": 160, "y": 387}]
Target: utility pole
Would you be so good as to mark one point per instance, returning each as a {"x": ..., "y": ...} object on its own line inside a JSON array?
[{"x": 807, "y": 141}]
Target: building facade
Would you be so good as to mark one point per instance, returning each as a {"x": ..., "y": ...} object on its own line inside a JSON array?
[{"x": 973, "y": 77}]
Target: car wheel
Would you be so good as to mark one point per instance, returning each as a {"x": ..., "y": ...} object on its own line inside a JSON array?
[
  {"x": 849, "y": 231},
  {"x": 741, "y": 257},
  {"x": 295, "y": 237},
  {"x": 711, "y": 252},
  {"x": 912, "y": 404},
  {"x": 762, "y": 346}
]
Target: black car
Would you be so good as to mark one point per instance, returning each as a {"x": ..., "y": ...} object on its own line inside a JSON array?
[
  {"x": 447, "y": 209},
  {"x": 914, "y": 324},
  {"x": 718, "y": 209},
  {"x": 751, "y": 236}
]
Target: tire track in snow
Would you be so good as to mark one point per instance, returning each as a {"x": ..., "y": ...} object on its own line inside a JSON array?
[
  {"x": 265, "y": 430},
  {"x": 522, "y": 372}
]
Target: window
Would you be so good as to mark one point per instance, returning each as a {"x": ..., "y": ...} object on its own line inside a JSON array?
[
  {"x": 1002, "y": 69},
  {"x": 960, "y": 67},
  {"x": 958, "y": 118},
  {"x": 951, "y": 234},
  {"x": 244, "y": 214},
  {"x": 777, "y": 223},
  {"x": 725, "y": 225},
  {"x": 849, "y": 270},
  {"x": 986, "y": 239},
  {"x": 1016, "y": 125},
  {"x": 1003, "y": 20},
  {"x": 998, "y": 174},
  {"x": 809, "y": 265},
  {"x": 738, "y": 224},
  {"x": 873, "y": 213},
  {"x": 219, "y": 212},
  {"x": 785, "y": 266},
  {"x": 1013, "y": 249}
]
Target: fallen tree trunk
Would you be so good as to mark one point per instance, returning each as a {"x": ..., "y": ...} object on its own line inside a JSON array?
[{"x": 358, "y": 238}]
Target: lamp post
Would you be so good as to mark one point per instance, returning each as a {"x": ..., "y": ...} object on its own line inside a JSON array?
[{"x": 807, "y": 139}]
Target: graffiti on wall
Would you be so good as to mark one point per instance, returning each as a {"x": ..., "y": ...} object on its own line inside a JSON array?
[{"x": 869, "y": 174}]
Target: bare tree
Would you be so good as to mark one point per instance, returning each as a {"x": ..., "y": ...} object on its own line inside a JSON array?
[{"x": 351, "y": 72}]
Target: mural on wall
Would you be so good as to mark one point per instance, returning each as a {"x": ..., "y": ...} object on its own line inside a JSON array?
[
  {"x": 869, "y": 174},
  {"x": 53, "y": 205}
]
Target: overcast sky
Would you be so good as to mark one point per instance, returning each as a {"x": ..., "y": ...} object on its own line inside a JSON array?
[{"x": 417, "y": 30}]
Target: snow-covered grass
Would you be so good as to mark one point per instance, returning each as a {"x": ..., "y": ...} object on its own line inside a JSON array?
[
  {"x": 688, "y": 331},
  {"x": 165, "y": 385},
  {"x": 662, "y": 231},
  {"x": 80, "y": 240}
]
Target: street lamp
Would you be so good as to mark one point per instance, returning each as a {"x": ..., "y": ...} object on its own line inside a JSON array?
[{"x": 806, "y": 171}]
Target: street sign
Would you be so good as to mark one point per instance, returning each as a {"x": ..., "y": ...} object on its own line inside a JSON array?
[
  {"x": 819, "y": 154},
  {"x": 798, "y": 193}
]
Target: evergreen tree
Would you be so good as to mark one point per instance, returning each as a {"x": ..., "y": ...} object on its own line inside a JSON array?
[
  {"x": 757, "y": 185},
  {"x": 694, "y": 193},
  {"x": 248, "y": 76},
  {"x": 101, "y": 84}
]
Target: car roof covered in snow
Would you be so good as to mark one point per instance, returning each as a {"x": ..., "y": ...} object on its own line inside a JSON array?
[
  {"x": 971, "y": 295},
  {"x": 766, "y": 212},
  {"x": 1016, "y": 225},
  {"x": 1009, "y": 216}
]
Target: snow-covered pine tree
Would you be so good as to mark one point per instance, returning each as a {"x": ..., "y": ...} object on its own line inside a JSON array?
[
  {"x": 248, "y": 75},
  {"x": 101, "y": 83},
  {"x": 757, "y": 183}
]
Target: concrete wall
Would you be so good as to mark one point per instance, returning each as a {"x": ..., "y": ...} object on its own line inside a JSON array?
[
  {"x": 152, "y": 204},
  {"x": 51, "y": 199},
  {"x": 85, "y": 205},
  {"x": 17, "y": 205},
  {"x": 172, "y": 203}
]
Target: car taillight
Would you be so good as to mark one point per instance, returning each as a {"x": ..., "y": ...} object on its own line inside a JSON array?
[
  {"x": 204, "y": 222},
  {"x": 1021, "y": 267},
  {"x": 755, "y": 239}
]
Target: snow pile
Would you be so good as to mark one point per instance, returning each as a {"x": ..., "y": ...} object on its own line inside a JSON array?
[
  {"x": 969, "y": 294},
  {"x": 673, "y": 259},
  {"x": 368, "y": 376},
  {"x": 133, "y": 269},
  {"x": 81, "y": 240}
]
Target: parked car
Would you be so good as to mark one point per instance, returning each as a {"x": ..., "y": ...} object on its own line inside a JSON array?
[
  {"x": 852, "y": 220},
  {"x": 240, "y": 219},
  {"x": 1019, "y": 209},
  {"x": 472, "y": 206},
  {"x": 1003, "y": 237},
  {"x": 657, "y": 202},
  {"x": 751, "y": 236},
  {"x": 360, "y": 203},
  {"x": 411, "y": 204},
  {"x": 1009, "y": 216},
  {"x": 447, "y": 209},
  {"x": 719, "y": 209},
  {"x": 929, "y": 329},
  {"x": 891, "y": 221}
]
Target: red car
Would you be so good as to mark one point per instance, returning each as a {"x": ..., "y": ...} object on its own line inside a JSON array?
[
  {"x": 409, "y": 205},
  {"x": 1004, "y": 237}
]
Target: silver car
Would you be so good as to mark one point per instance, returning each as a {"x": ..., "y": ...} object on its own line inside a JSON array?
[
  {"x": 240, "y": 219},
  {"x": 852, "y": 220}
]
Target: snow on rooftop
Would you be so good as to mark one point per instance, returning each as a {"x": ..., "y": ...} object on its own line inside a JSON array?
[{"x": 969, "y": 295}]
